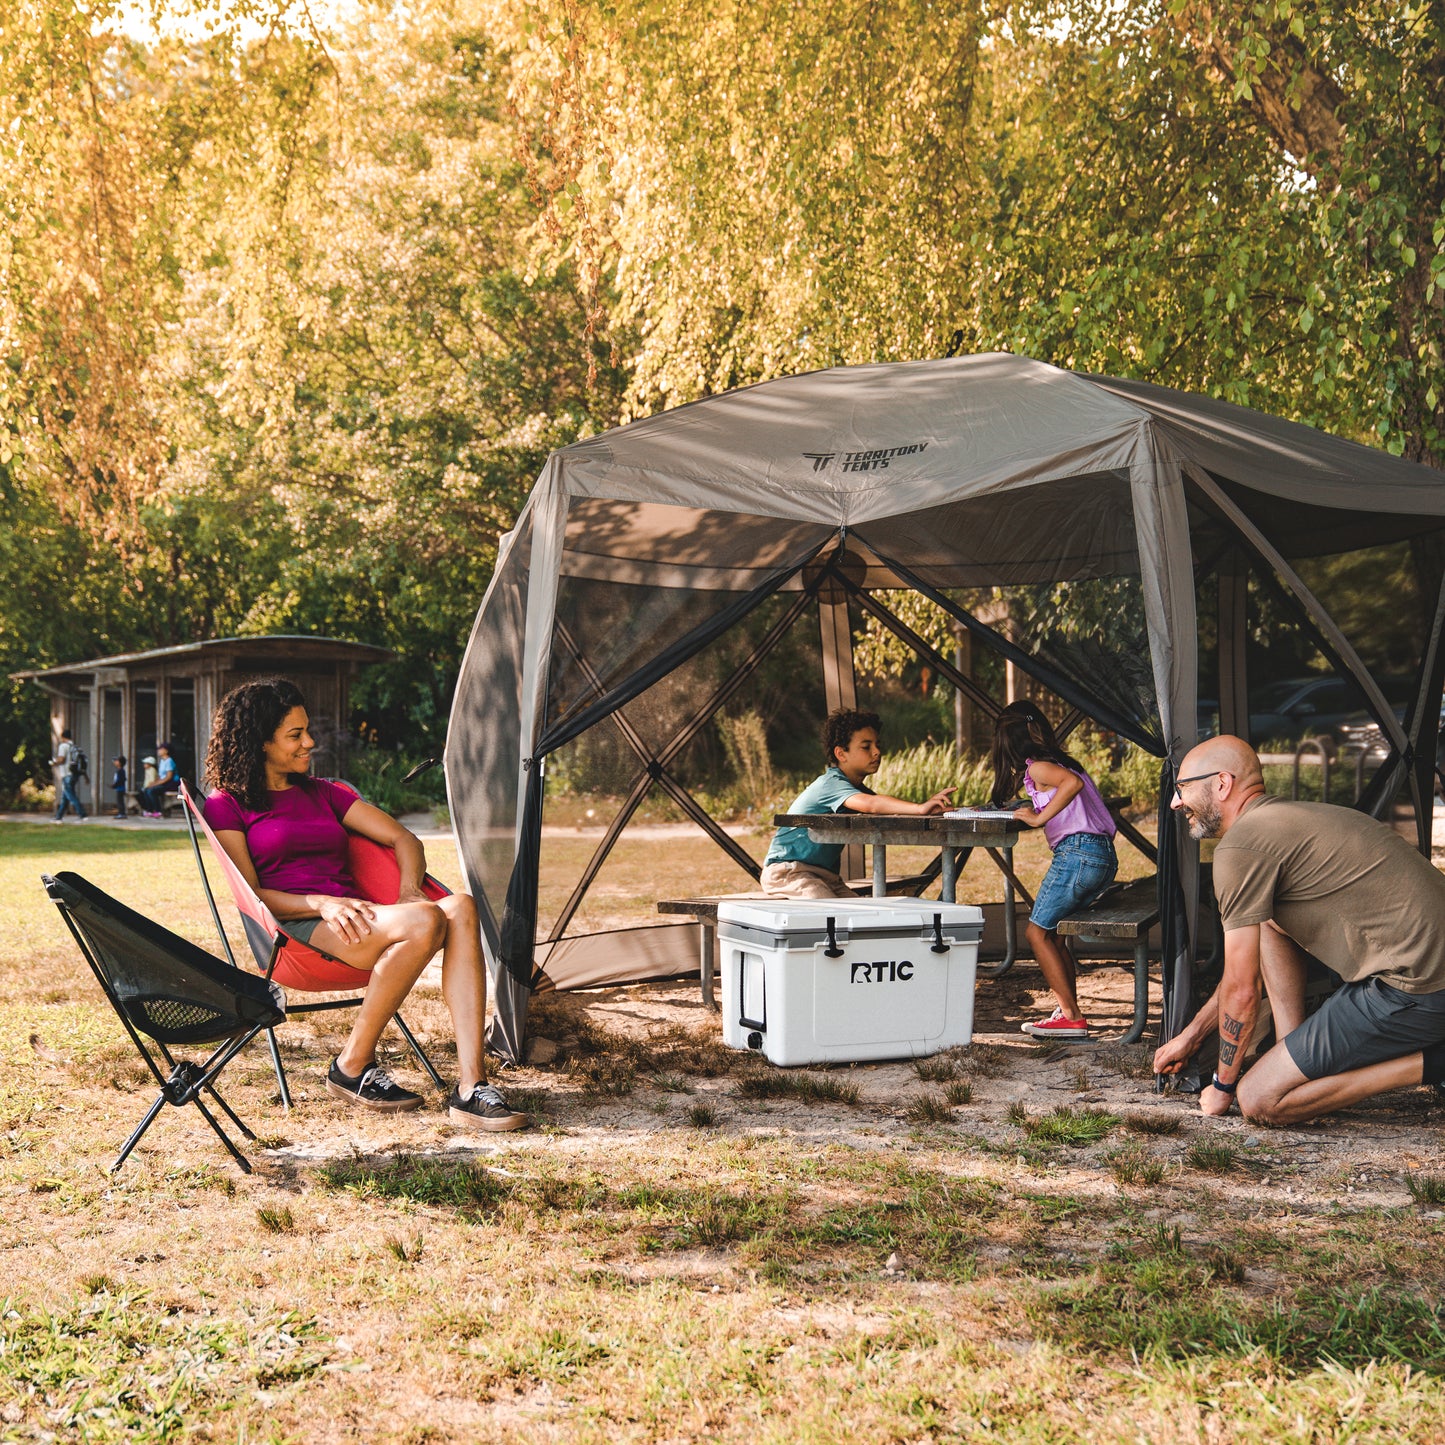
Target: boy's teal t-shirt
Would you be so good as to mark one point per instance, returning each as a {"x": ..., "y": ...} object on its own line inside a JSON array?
[{"x": 823, "y": 795}]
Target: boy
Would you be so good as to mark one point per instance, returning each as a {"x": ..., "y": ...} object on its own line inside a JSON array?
[
  {"x": 797, "y": 867},
  {"x": 119, "y": 782}
]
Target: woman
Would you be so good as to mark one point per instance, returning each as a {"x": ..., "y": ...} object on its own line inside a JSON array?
[{"x": 287, "y": 833}]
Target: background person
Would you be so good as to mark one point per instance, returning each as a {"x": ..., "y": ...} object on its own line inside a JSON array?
[
  {"x": 118, "y": 783},
  {"x": 69, "y": 765},
  {"x": 287, "y": 833},
  {"x": 1300, "y": 879},
  {"x": 168, "y": 780},
  {"x": 796, "y": 866},
  {"x": 1067, "y": 806}
]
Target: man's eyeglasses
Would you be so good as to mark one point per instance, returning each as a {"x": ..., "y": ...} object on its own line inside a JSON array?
[{"x": 1198, "y": 778}]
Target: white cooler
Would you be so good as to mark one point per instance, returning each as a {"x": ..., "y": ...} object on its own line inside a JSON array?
[{"x": 834, "y": 980}]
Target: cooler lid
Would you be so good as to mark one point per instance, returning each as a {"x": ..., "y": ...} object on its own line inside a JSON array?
[{"x": 854, "y": 917}]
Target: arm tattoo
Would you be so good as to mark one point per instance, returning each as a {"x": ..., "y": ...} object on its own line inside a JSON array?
[
  {"x": 1232, "y": 1027},
  {"x": 1227, "y": 1053}
]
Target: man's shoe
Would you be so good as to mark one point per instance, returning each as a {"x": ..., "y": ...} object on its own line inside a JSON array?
[
  {"x": 484, "y": 1108},
  {"x": 375, "y": 1089},
  {"x": 1056, "y": 1026}
]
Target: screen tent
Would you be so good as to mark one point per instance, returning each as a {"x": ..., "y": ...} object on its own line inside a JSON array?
[{"x": 656, "y": 567}]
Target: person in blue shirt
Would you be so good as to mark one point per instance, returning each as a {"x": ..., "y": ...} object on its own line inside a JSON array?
[
  {"x": 168, "y": 780},
  {"x": 796, "y": 866}
]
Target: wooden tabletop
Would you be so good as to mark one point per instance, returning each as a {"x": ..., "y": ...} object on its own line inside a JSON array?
[{"x": 894, "y": 827}]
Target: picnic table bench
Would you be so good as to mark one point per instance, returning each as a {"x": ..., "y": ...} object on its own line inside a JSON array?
[{"x": 1127, "y": 913}]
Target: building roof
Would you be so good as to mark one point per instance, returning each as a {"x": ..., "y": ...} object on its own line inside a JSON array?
[{"x": 278, "y": 648}]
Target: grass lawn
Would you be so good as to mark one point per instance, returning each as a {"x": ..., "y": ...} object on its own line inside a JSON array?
[{"x": 1004, "y": 1241}]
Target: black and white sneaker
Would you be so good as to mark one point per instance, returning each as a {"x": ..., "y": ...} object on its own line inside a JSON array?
[
  {"x": 375, "y": 1089},
  {"x": 483, "y": 1107}
]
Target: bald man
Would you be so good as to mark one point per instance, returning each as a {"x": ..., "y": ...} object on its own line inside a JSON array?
[{"x": 1293, "y": 878}]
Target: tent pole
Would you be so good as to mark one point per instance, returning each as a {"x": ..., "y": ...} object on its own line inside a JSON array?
[
  {"x": 1233, "y": 649},
  {"x": 840, "y": 687}
]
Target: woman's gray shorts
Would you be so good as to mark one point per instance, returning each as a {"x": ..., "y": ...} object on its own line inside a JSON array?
[{"x": 1366, "y": 1022}]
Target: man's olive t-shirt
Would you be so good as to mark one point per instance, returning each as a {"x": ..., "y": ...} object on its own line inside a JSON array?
[{"x": 1345, "y": 887}]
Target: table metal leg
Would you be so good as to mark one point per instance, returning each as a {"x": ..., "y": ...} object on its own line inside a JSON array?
[
  {"x": 1010, "y": 927},
  {"x": 949, "y": 891},
  {"x": 1141, "y": 993},
  {"x": 707, "y": 959},
  {"x": 880, "y": 870}
]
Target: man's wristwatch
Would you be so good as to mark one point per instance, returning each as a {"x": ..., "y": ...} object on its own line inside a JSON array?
[{"x": 1223, "y": 1088}]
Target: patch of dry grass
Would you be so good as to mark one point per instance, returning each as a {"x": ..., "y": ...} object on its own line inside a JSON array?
[{"x": 627, "y": 1277}]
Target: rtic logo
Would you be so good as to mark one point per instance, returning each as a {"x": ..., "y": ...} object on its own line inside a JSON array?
[
  {"x": 891, "y": 971},
  {"x": 875, "y": 461}
]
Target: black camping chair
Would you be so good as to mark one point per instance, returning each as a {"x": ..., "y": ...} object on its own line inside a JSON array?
[{"x": 165, "y": 987}]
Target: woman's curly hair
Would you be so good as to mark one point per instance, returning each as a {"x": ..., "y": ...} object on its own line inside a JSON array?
[{"x": 244, "y": 723}]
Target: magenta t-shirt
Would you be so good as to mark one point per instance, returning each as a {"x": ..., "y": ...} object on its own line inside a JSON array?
[{"x": 298, "y": 844}]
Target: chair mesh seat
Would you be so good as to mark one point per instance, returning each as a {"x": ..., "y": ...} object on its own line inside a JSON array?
[{"x": 180, "y": 1020}]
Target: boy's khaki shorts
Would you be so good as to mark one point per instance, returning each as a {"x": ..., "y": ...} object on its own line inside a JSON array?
[{"x": 802, "y": 880}]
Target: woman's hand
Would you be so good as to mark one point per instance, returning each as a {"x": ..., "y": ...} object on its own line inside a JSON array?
[
  {"x": 411, "y": 895},
  {"x": 349, "y": 918},
  {"x": 1029, "y": 818}
]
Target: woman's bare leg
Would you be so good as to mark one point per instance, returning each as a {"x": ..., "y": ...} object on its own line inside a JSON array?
[
  {"x": 464, "y": 987},
  {"x": 403, "y": 938}
]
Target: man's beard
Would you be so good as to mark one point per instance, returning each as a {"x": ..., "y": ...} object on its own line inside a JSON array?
[{"x": 1204, "y": 821}]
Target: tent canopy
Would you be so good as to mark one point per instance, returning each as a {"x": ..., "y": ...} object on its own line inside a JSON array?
[{"x": 642, "y": 549}]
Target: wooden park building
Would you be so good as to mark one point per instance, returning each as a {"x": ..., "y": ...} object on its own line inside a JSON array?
[{"x": 133, "y": 702}]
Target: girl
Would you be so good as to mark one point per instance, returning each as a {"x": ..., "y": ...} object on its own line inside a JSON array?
[{"x": 1067, "y": 806}]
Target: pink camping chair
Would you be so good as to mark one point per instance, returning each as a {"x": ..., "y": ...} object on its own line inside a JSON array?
[{"x": 286, "y": 960}]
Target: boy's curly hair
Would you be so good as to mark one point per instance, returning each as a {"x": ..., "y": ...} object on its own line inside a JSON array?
[
  {"x": 840, "y": 726},
  {"x": 245, "y": 722}
]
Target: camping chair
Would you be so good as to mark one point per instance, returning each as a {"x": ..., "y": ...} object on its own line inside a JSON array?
[
  {"x": 286, "y": 960},
  {"x": 165, "y": 987}
]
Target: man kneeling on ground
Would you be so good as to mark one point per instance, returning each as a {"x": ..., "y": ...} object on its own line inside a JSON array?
[
  {"x": 1312, "y": 878},
  {"x": 797, "y": 867}
]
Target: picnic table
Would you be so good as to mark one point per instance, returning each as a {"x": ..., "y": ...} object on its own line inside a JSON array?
[{"x": 956, "y": 838}]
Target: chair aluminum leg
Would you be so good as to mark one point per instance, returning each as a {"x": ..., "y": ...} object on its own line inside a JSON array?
[
  {"x": 140, "y": 1129},
  {"x": 221, "y": 1134},
  {"x": 230, "y": 1113},
  {"x": 280, "y": 1069},
  {"x": 416, "y": 1048}
]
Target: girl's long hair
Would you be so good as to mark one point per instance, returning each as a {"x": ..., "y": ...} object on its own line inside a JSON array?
[
  {"x": 1022, "y": 731},
  {"x": 245, "y": 722}
]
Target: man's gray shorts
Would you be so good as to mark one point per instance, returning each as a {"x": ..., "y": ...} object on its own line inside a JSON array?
[{"x": 1366, "y": 1022}]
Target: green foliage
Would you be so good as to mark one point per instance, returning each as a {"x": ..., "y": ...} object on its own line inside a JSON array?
[{"x": 919, "y": 772}]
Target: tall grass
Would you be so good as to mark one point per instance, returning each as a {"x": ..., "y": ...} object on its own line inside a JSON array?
[
  {"x": 927, "y": 768},
  {"x": 921, "y": 771}
]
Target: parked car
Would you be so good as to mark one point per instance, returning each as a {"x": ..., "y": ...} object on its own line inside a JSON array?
[{"x": 1312, "y": 707}]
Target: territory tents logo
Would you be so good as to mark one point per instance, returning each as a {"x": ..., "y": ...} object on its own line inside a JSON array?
[{"x": 874, "y": 461}]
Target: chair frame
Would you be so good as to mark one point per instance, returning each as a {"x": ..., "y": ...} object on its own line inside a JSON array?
[
  {"x": 187, "y": 1079},
  {"x": 279, "y": 942}
]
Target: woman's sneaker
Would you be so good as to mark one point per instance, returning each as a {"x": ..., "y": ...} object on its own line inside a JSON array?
[
  {"x": 1056, "y": 1026},
  {"x": 375, "y": 1089},
  {"x": 483, "y": 1107}
]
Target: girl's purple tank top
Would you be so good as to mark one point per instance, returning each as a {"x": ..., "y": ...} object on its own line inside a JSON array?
[{"x": 1085, "y": 812}]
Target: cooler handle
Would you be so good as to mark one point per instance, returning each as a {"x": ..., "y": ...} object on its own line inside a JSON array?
[
  {"x": 832, "y": 950},
  {"x": 939, "y": 946},
  {"x": 743, "y": 1020}
]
